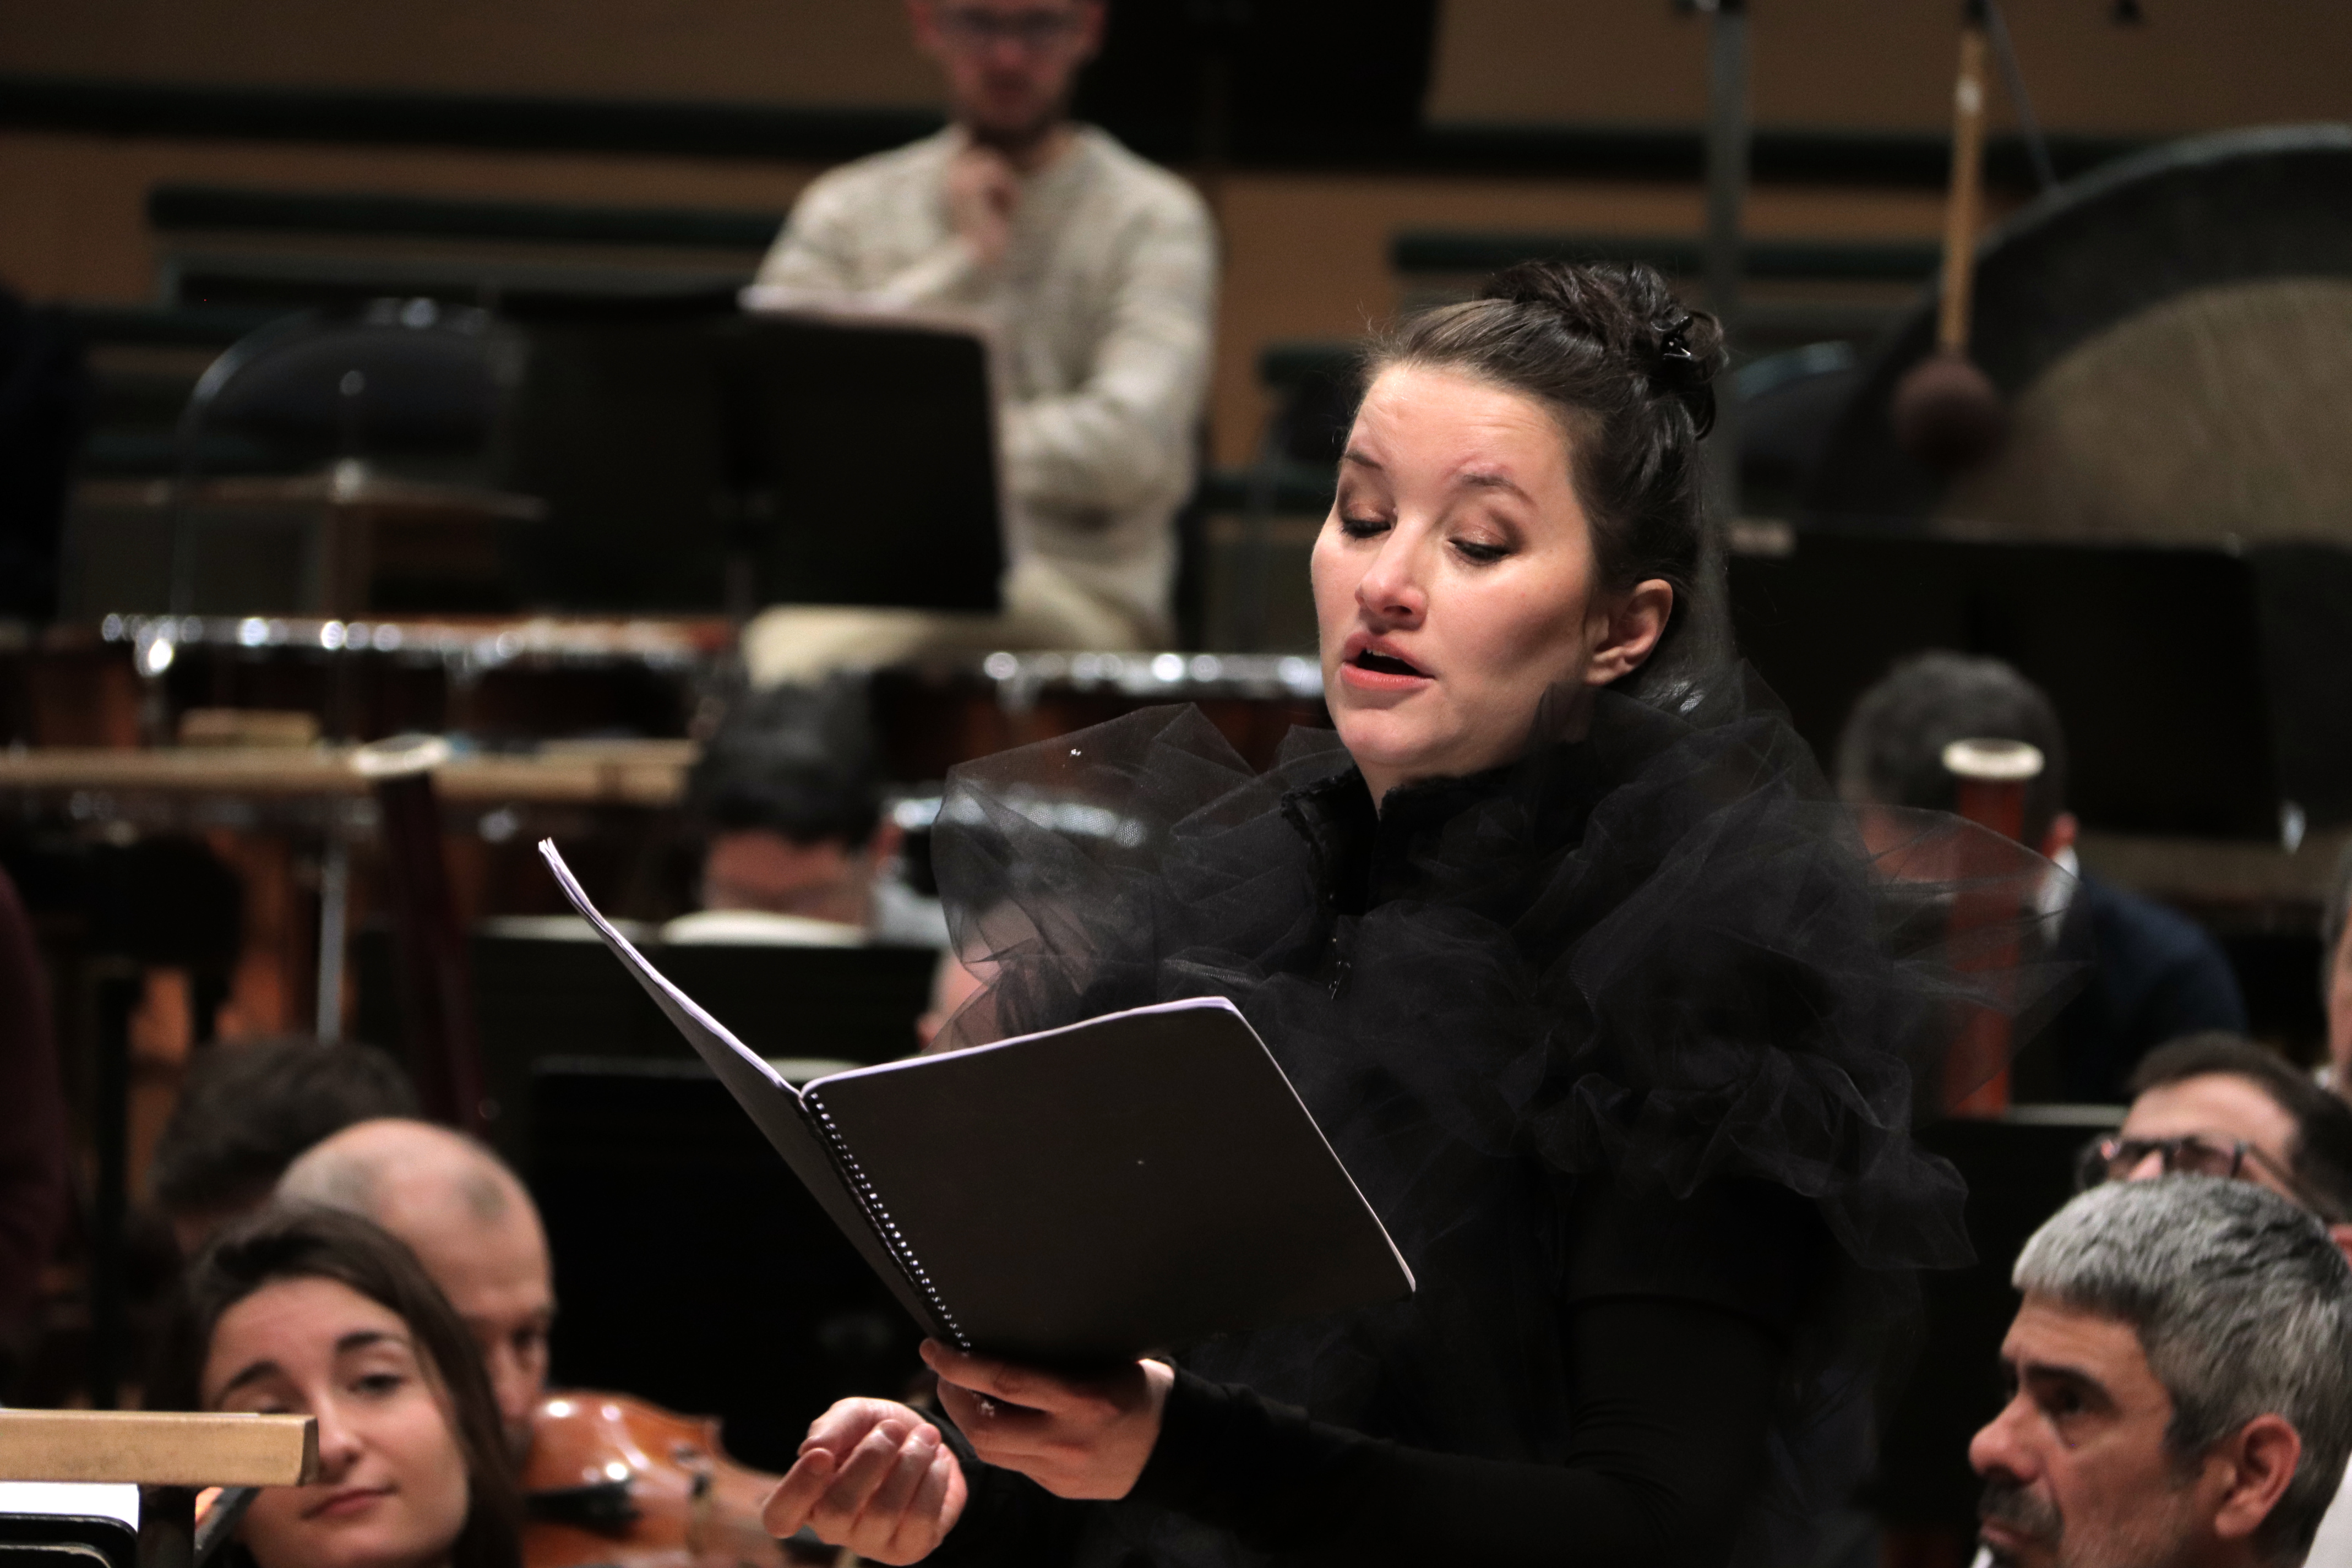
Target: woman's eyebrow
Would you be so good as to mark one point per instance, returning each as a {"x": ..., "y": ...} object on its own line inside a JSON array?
[
  {"x": 357, "y": 1339},
  {"x": 1491, "y": 479},
  {"x": 254, "y": 1373},
  {"x": 1361, "y": 460}
]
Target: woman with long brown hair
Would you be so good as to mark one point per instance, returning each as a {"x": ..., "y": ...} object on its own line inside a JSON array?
[{"x": 308, "y": 1311}]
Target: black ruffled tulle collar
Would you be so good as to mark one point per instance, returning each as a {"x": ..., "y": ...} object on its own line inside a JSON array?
[
  {"x": 1364, "y": 856},
  {"x": 1658, "y": 948}
]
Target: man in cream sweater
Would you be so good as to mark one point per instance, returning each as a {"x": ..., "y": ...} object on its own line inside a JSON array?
[{"x": 1097, "y": 272}]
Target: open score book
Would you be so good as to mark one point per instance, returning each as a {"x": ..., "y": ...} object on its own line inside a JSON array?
[{"x": 1133, "y": 1183}]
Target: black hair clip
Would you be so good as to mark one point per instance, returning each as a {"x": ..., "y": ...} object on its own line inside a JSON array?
[{"x": 1680, "y": 372}]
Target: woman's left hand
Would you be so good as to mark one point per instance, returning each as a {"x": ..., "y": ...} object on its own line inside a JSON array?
[{"x": 1076, "y": 1438}]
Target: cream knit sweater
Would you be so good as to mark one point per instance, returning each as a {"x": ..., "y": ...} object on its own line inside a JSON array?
[{"x": 1103, "y": 304}]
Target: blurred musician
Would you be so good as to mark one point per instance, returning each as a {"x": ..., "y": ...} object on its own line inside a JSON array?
[
  {"x": 2217, "y": 1105},
  {"x": 2153, "y": 973},
  {"x": 469, "y": 1222},
  {"x": 248, "y": 1110},
  {"x": 1097, "y": 271},
  {"x": 684, "y": 1502},
  {"x": 796, "y": 848}
]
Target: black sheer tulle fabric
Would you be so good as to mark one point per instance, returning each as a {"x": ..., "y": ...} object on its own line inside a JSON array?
[{"x": 1659, "y": 954}]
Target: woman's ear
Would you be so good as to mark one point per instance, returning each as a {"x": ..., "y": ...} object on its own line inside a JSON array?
[{"x": 1630, "y": 628}]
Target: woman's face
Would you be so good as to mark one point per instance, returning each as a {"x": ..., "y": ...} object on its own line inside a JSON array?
[
  {"x": 391, "y": 1489},
  {"x": 1455, "y": 580}
]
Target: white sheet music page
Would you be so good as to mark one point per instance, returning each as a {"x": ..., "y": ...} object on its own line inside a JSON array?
[{"x": 628, "y": 953}]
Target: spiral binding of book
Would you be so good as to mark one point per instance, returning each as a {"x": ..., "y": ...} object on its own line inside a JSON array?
[{"x": 884, "y": 1225}]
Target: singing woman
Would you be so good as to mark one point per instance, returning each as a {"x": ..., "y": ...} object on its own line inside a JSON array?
[{"x": 1577, "y": 964}]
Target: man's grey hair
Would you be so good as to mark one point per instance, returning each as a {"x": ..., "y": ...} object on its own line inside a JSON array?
[{"x": 2244, "y": 1307}]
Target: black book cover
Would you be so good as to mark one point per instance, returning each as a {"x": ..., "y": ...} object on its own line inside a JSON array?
[{"x": 1132, "y": 1183}]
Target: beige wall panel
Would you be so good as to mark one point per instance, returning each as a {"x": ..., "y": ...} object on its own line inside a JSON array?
[
  {"x": 1308, "y": 256},
  {"x": 74, "y": 225},
  {"x": 1526, "y": 61},
  {"x": 1863, "y": 63},
  {"x": 2195, "y": 65},
  {"x": 790, "y": 51}
]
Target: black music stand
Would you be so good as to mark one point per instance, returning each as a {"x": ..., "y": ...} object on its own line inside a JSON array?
[
  {"x": 700, "y": 461},
  {"x": 538, "y": 995},
  {"x": 865, "y": 443},
  {"x": 65, "y": 1541}
]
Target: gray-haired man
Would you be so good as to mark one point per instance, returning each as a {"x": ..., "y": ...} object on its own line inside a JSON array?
[{"x": 2181, "y": 1377}]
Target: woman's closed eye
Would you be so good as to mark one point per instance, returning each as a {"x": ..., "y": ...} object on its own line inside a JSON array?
[
  {"x": 1480, "y": 552},
  {"x": 379, "y": 1384},
  {"x": 1363, "y": 525},
  {"x": 379, "y": 1371}
]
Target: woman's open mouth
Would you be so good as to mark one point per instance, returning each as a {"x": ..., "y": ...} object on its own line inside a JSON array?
[
  {"x": 1377, "y": 669},
  {"x": 1382, "y": 662}
]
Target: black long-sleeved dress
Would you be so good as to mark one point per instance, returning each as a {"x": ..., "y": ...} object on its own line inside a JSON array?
[{"x": 1620, "y": 1043}]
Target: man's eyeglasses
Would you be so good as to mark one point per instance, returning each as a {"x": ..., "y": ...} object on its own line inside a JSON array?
[
  {"x": 2113, "y": 1158},
  {"x": 1035, "y": 32}
]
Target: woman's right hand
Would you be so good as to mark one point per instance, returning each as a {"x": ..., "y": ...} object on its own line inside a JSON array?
[{"x": 872, "y": 1475}]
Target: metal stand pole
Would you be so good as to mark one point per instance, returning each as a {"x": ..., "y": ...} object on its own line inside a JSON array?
[
  {"x": 1254, "y": 561},
  {"x": 437, "y": 986},
  {"x": 1726, "y": 192},
  {"x": 167, "y": 1527},
  {"x": 118, "y": 988},
  {"x": 334, "y": 914}
]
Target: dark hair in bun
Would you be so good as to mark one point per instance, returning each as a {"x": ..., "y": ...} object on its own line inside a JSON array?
[{"x": 1630, "y": 370}]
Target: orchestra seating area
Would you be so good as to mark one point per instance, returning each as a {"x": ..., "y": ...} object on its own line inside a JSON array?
[{"x": 405, "y": 477}]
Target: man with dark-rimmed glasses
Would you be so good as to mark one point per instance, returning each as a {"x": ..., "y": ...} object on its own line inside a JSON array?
[{"x": 2214, "y": 1104}]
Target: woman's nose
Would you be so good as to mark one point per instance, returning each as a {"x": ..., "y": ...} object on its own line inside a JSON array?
[
  {"x": 339, "y": 1443},
  {"x": 1392, "y": 589}
]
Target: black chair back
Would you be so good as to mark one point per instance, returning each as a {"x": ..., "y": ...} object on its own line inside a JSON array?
[{"x": 410, "y": 382}]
